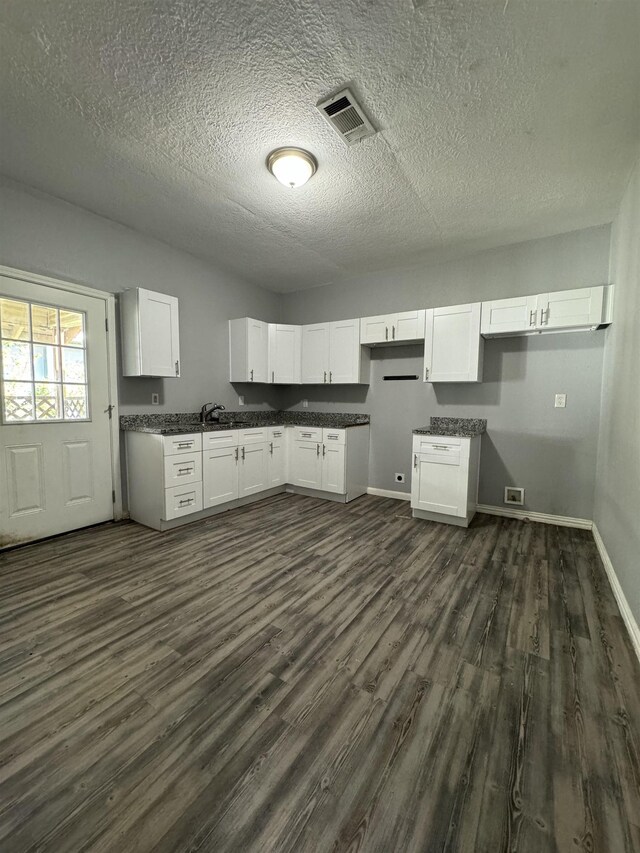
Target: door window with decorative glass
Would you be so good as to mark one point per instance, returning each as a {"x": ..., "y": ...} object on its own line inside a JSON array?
[{"x": 44, "y": 363}]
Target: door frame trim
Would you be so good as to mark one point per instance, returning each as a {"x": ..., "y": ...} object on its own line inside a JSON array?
[{"x": 112, "y": 365}]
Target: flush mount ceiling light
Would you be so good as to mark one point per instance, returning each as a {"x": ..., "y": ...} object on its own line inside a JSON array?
[{"x": 292, "y": 166}]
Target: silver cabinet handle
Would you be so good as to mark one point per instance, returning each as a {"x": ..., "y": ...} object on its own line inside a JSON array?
[
  {"x": 544, "y": 319},
  {"x": 185, "y": 443},
  {"x": 243, "y": 454},
  {"x": 386, "y": 333},
  {"x": 252, "y": 375},
  {"x": 177, "y": 368},
  {"x": 273, "y": 376},
  {"x": 325, "y": 376},
  {"x": 324, "y": 450},
  {"x": 532, "y": 317},
  {"x": 277, "y": 434},
  {"x": 186, "y": 501},
  {"x": 441, "y": 446},
  {"x": 330, "y": 376},
  {"x": 426, "y": 373},
  {"x": 393, "y": 333},
  {"x": 306, "y": 435},
  {"x": 184, "y": 470},
  {"x": 271, "y": 448},
  {"x": 317, "y": 450},
  {"x": 333, "y": 437},
  {"x": 415, "y": 461},
  {"x": 237, "y": 451}
]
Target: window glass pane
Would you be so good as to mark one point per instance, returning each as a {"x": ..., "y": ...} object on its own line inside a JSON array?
[
  {"x": 48, "y": 402},
  {"x": 73, "y": 366},
  {"x": 18, "y": 401},
  {"x": 14, "y": 318},
  {"x": 16, "y": 360},
  {"x": 75, "y": 401},
  {"x": 44, "y": 322},
  {"x": 46, "y": 366},
  {"x": 72, "y": 328}
]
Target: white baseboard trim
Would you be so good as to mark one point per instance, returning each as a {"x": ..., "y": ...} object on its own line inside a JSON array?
[
  {"x": 543, "y": 517},
  {"x": 621, "y": 599},
  {"x": 386, "y": 493}
]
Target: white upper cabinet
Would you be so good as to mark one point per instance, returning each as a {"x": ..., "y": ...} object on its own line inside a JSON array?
[
  {"x": 331, "y": 353},
  {"x": 392, "y": 328},
  {"x": 285, "y": 351},
  {"x": 150, "y": 333},
  {"x": 453, "y": 347},
  {"x": 583, "y": 308},
  {"x": 248, "y": 350}
]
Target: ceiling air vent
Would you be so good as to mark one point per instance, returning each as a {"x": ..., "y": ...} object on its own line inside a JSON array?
[{"x": 346, "y": 117}]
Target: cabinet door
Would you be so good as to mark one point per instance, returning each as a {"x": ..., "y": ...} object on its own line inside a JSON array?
[
  {"x": 439, "y": 485},
  {"x": 408, "y": 326},
  {"x": 219, "y": 475},
  {"x": 571, "y": 308},
  {"x": 333, "y": 474},
  {"x": 257, "y": 351},
  {"x": 285, "y": 350},
  {"x": 315, "y": 354},
  {"x": 376, "y": 330},
  {"x": 277, "y": 458},
  {"x": 306, "y": 464},
  {"x": 452, "y": 344},
  {"x": 344, "y": 352},
  {"x": 159, "y": 334},
  {"x": 253, "y": 469},
  {"x": 509, "y": 316}
]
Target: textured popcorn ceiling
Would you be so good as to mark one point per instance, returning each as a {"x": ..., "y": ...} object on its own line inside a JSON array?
[{"x": 499, "y": 121}]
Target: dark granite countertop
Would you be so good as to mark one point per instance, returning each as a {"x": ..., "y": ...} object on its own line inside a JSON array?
[
  {"x": 460, "y": 427},
  {"x": 186, "y": 422}
]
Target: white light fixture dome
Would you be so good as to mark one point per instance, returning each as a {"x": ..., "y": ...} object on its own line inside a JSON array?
[{"x": 292, "y": 166}]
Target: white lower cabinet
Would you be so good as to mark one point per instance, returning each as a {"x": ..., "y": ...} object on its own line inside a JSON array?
[
  {"x": 306, "y": 464},
  {"x": 277, "y": 456},
  {"x": 444, "y": 478},
  {"x": 333, "y": 461},
  {"x": 220, "y": 475},
  {"x": 253, "y": 469},
  {"x": 333, "y": 468}
]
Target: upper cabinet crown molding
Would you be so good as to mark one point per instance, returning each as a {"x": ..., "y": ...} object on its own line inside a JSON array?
[
  {"x": 453, "y": 348},
  {"x": 564, "y": 310},
  {"x": 150, "y": 333},
  {"x": 392, "y": 328}
]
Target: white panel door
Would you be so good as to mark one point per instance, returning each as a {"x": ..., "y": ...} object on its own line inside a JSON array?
[
  {"x": 258, "y": 350},
  {"x": 408, "y": 326},
  {"x": 571, "y": 308},
  {"x": 333, "y": 468},
  {"x": 55, "y": 445},
  {"x": 305, "y": 464},
  {"x": 439, "y": 486},
  {"x": 219, "y": 475},
  {"x": 285, "y": 351},
  {"x": 277, "y": 458},
  {"x": 315, "y": 354},
  {"x": 344, "y": 352},
  {"x": 159, "y": 334},
  {"x": 254, "y": 469},
  {"x": 376, "y": 330},
  {"x": 508, "y": 316},
  {"x": 452, "y": 344}
]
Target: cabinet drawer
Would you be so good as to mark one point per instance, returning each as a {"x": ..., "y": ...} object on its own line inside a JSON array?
[
  {"x": 182, "y": 500},
  {"x": 173, "y": 444},
  {"x": 223, "y": 438},
  {"x": 182, "y": 468},
  {"x": 334, "y": 436},
  {"x": 307, "y": 433},
  {"x": 253, "y": 436},
  {"x": 435, "y": 444},
  {"x": 275, "y": 432}
]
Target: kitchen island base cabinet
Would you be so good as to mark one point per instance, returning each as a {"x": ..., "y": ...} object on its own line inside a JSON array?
[{"x": 444, "y": 478}]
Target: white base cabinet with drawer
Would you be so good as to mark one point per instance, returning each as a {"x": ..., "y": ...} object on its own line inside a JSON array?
[{"x": 444, "y": 478}]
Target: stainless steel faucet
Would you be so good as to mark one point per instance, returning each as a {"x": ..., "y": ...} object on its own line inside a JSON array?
[{"x": 211, "y": 414}]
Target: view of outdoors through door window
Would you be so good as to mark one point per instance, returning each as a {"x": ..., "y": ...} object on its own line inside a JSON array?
[{"x": 44, "y": 363}]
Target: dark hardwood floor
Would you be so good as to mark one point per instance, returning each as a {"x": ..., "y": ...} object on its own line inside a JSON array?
[{"x": 300, "y": 675}]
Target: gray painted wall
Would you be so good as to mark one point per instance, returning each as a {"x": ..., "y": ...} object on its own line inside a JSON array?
[
  {"x": 551, "y": 452},
  {"x": 617, "y": 493},
  {"x": 45, "y": 235}
]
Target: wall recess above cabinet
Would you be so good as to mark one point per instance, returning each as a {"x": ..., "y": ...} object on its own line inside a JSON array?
[{"x": 150, "y": 333}]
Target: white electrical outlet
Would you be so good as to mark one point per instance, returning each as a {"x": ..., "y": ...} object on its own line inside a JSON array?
[
  {"x": 241, "y": 400},
  {"x": 155, "y": 399},
  {"x": 305, "y": 404},
  {"x": 561, "y": 401},
  {"x": 399, "y": 478}
]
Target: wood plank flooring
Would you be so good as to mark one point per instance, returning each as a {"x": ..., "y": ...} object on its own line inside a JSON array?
[{"x": 300, "y": 675}]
